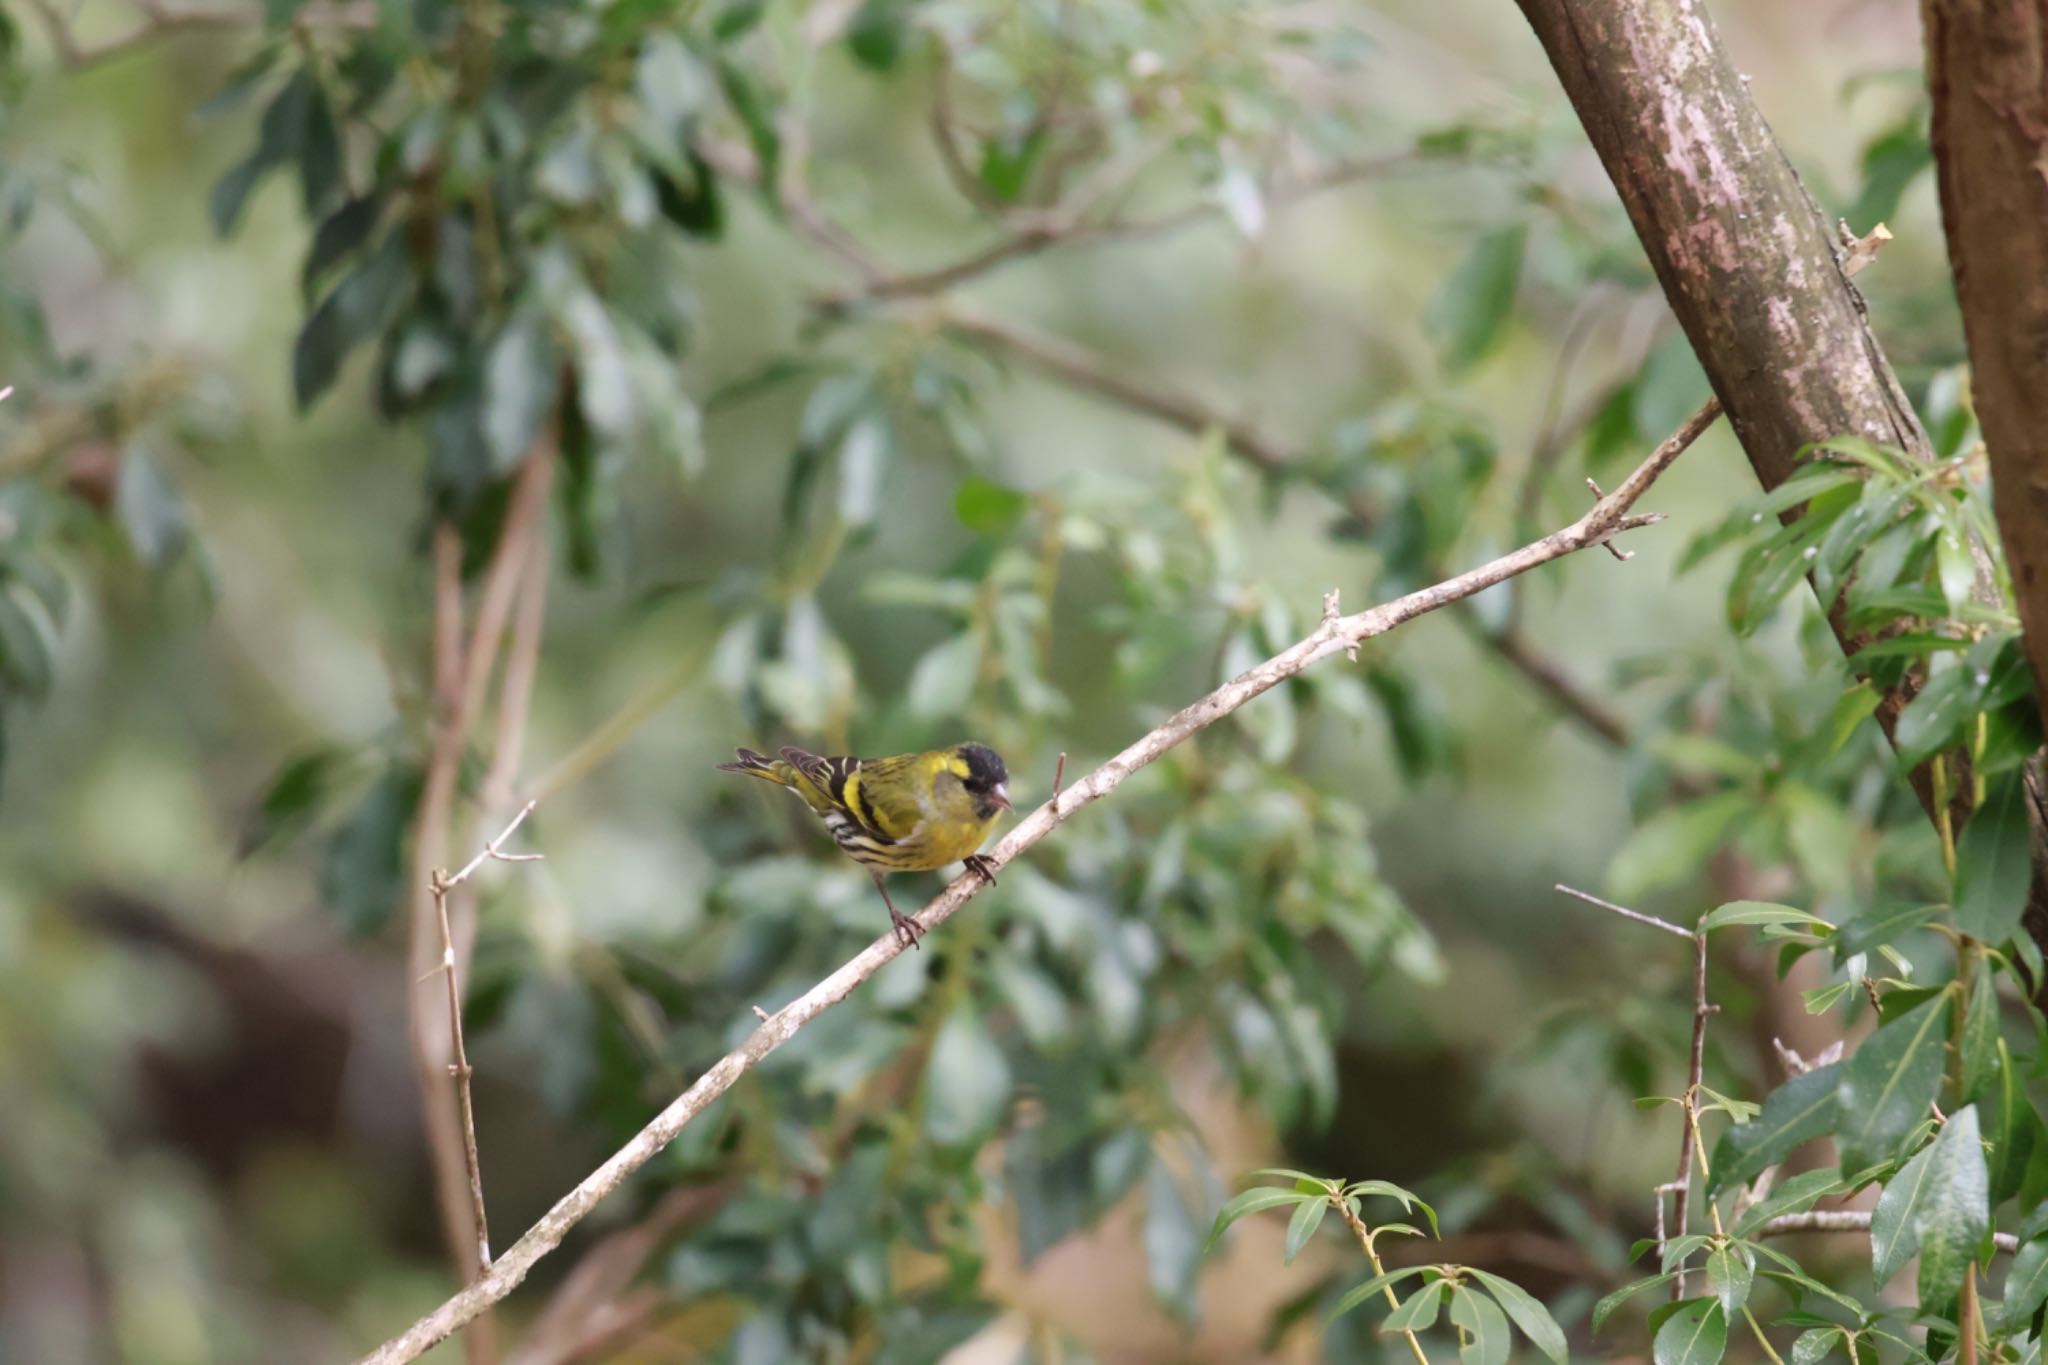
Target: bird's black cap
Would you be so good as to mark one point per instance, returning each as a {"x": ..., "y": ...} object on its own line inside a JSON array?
[{"x": 984, "y": 766}]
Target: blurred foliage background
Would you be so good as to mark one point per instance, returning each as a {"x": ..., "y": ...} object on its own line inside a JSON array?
[{"x": 918, "y": 369}]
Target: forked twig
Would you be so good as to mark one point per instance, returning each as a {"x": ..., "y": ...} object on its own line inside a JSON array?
[
  {"x": 1679, "y": 1187},
  {"x": 442, "y": 883}
]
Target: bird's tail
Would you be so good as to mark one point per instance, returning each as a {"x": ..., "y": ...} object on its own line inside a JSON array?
[{"x": 760, "y": 765}]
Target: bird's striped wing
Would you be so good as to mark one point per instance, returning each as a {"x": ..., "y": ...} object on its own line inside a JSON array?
[{"x": 883, "y": 795}]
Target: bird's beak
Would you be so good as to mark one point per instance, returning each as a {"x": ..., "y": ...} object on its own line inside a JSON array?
[{"x": 1002, "y": 797}]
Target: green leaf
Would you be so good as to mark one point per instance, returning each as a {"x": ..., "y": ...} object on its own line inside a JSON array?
[
  {"x": 1388, "y": 1190},
  {"x": 863, "y": 454},
  {"x": 1954, "y": 1212},
  {"x": 1528, "y": 1313},
  {"x": 1416, "y": 1313},
  {"x": 1978, "y": 1047},
  {"x": 1467, "y": 314},
  {"x": 1254, "y": 1201},
  {"x": 1377, "y": 1284},
  {"x": 1697, "y": 1334},
  {"x": 1893, "y": 1236},
  {"x": 520, "y": 380},
  {"x": 1880, "y": 926},
  {"x": 1793, "y": 1195},
  {"x": 1729, "y": 1273},
  {"x": 1801, "y": 1109},
  {"x": 604, "y": 391},
  {"x": 1672, "y": 845},
  {"x": 362, "y": 873},
  {"x": 1955, "y": 568},
  {"x": 338, "y": 236},
  {"x": 1483, "y": 1328},
  {"x": 943, "y": 681},
  {"x": 987, "y": 507},
  {"x": 1929, "y": 723},
  {"x": 737, "y": 18},
  {"x": 967, "y": 1082},
  {"x": 1813, "y": 1345},
  {"x": 1303, "y": 1225},
  {"x": 1891, "y": 162},
  {"x": 1769, "y": 571},
  {"x": 693, "y": 202},
  {"x": 1805, "y": 1284},
  {"x": 2026, "y": 1285},
  {"x": 877, "y": 32},
  {"x": 1992, "y": 866},
  {"x": 1171, "y": 1251},
  {"x": 292, "y": 800},
  {"x": 2011, "y": 1127},
  {"x": 1424, "y": 741},
  {"x": 354, "y": 310},
  {"x": 28, "y": 643},
  {"x": 148, "y": 507},
  {"x": 1760, "y": 912},
  {"x": 757, "y": 113},
  {"x": 319, "y": 152},
  {"x": 1034, "y": 998},
  {"x": 1605, "y": 1308},
  {"x": 1008, "y": 161},
  {"x": 1887, "y": 1086}
]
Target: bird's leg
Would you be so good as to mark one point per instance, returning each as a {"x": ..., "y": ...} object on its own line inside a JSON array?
[
  {"x": 982, "y": 866},
  {"x": 908, "y": 931}
]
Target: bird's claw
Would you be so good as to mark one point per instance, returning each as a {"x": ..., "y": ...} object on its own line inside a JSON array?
[
  {"x": 908, "y": 931},
  {"x": 982, "y": 866}
]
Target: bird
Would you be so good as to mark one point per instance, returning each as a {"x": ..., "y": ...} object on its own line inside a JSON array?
[{"x": 906, "y": 813}]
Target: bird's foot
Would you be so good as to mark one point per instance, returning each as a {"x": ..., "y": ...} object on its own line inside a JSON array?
[
  {"x": 982, "y": 866},
  {"x": 908, "y": 930}
]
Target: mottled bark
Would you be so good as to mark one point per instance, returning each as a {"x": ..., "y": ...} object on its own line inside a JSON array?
[
  {"x": 1747, "y": 262},
  {"x": 1987, "y": 72},
  {"x": 1744, "y": 256}
]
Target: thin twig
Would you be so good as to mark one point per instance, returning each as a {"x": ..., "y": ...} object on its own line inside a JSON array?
[
  {"x": 1041, "y": 231},
  {"x": 1059, "y": 775},
  {"x": 1610, "y": 517},
  {"x": 1680, "y": 1186},
  {"x": 436, "y": 932},
  {"x": 1638, "y": 916},
  {"x": 1078, "y": 369},
  {"x": 1364, "y": 1236},
  {"x": 1549, "y": 678},
  {"x": 1847, "y": 1220},
  {"x": 1689, "y": 1135},
  {"x": 442, "y": 884}
]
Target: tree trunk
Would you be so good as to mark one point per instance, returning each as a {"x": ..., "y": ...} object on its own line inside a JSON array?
[
  {"x": 1988, "y": 76},
  {"x": 1750, "y": 267}
]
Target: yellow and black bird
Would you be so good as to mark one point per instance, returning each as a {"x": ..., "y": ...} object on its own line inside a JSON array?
[{"x": 909, "y": 813}]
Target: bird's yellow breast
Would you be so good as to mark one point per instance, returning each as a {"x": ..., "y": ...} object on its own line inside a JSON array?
[{"x": 947, "y": 841}]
